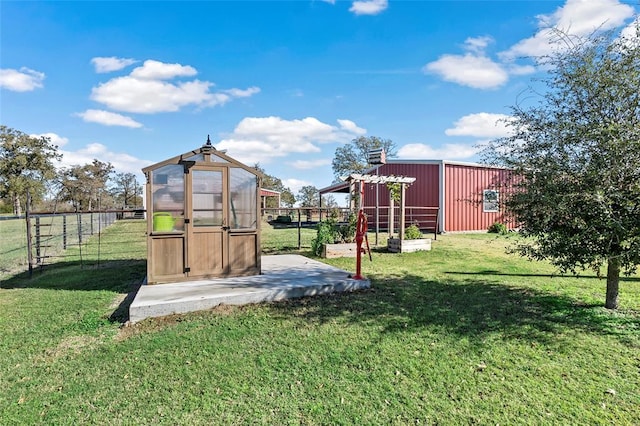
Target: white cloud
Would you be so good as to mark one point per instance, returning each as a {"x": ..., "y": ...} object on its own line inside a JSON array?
[
  {"x": 108, "y": 118},
  {"x": 477, "y": 44},
  {"x": 582, "y": 17},
  {"x": 150, "y": 96},
  {"x": 350, "y": 126},
  {"x": 239, "y": 93},
  {"x": 146, "y": 90},
  {"x": 368, "y": 7},
  {"x": 260, "y": 151},
  {"x": 122, "y": 163},
  {"x": 630, "y": 32},
  {"x": 539, "y": 45},
  {"x": 446, "y": 151},
  {"x": 111, "y": 63},
  {"x": 261, "y": 139},
  {"x": 515, "y": 69},
  {"x": 23, "y": 80},
  {"x": 482, "y": 125},
  {"x": 309, "y": 164},
  {"x": 156, "y": 70},
  {"x": 576, "y": 17},
  {"x": 53, "y": 138},
  {"x": 295, "y": 185},
  {"x": 278, "y": 130},
  {"x": 471, "y": 70}
]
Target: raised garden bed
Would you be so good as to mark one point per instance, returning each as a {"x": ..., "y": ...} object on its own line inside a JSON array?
[
  {"x": 395, "y": 245},
  {"x": 331, "y": 251}
]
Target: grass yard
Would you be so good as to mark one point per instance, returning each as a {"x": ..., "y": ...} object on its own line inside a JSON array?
[
  {"x": 13, "y": 246},
  {"x": 464, "y": 334},
  {"x": 284, "y": 240}
]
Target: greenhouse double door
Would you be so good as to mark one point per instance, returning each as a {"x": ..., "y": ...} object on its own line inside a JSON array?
[{"x": 208, "y": 233}]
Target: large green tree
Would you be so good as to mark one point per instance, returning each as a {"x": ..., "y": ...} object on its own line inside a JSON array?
[
  {"x": 125, "y": 190},
  {"x": 575, "y": 156},
  {"x": 309, "y": 196},
  {"x": 86, "y": 186},
  {"x": 271, "y": 182},
  {"x": 353, "y": 157},
  {"x": 26, "y": 163}
]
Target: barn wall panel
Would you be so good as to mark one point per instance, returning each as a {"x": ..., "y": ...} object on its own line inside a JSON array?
[{"x": 463, "y": 196}]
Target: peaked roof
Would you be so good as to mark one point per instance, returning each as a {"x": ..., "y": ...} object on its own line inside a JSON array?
[{"x": 193, "y": 155}]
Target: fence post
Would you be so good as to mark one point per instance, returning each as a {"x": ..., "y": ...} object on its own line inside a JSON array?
[
  {"x": 27, "y": 215},
  {"x": 299, "y": 230},
  {"x": 64, "y": 231},
  {"x": 91, "y": 220},
  {"x": 38, "y": 239},
  {"x": 79, "y": 228}
]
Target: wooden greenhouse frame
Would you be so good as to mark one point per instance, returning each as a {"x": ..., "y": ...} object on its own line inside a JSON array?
[{"x": 203, "y": 217}]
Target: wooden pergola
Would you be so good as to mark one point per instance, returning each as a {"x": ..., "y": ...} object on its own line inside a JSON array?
[
  {"x": 356, "y": 183},
  {"x": 404, "y": 181}
]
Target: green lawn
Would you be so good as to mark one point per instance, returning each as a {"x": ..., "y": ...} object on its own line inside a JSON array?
[
  {"x": 280, "y": 239},
  {"x": 464, "y": 334},
  {"x": 13, "y": 246}
]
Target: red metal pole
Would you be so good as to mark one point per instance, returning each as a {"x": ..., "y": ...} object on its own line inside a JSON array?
[{"x": 359, "y": 234}]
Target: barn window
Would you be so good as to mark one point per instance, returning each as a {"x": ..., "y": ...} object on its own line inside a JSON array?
[{"x": 490, "y": 198}]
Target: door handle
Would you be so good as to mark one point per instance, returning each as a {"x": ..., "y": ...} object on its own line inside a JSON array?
[{"x": 226, "y": 228}]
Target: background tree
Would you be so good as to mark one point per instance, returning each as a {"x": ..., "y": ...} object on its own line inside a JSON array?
[
  {"x": 26, "y": 163},
  {"x": 575, "y": 157},
  {"x": 352, "y": 157},
  {"x": 125, "y": 190},
  {"x": 271, "y": 182},
  {"x": 329, "y": 201},
  {"x": 86, "y": 186},
  {"x": 309, "y": 196}
]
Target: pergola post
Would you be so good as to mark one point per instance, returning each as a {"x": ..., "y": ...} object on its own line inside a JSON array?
[
  {"x": 391, "y": 213},
  {"x": 402, "y": 202}
]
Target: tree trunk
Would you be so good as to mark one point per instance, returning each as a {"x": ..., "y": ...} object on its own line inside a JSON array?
[
  {"x": 613, "y": 280},
  {"x": 17, "y": 209}
]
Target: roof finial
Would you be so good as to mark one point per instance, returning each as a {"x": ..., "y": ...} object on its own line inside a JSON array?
[{"x": 208, "y": 141}]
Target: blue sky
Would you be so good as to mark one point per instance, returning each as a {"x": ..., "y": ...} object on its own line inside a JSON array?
[{"x": 282, "y": 83}]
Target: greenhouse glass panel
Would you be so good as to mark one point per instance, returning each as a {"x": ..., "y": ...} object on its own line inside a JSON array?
[
  {"x": 167, "y": 193},
  {"x": 243, "y": 198}
]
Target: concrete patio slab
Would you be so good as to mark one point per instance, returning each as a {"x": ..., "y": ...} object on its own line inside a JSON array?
[{"x": 283, "y": 277}]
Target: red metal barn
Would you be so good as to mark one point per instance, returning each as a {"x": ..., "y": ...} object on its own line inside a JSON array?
[{"x": 466, "y": 194}]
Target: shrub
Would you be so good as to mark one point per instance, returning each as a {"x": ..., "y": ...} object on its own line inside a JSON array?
[
  {"x": 331, "y": 232},
  {"x": 283, "y": 219},
  {"x": 325, "y": 235},
  {"x": 412, "y": 233},
  {"x": 498, "y": 228},
  {"x": 346, "y": 233}
]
